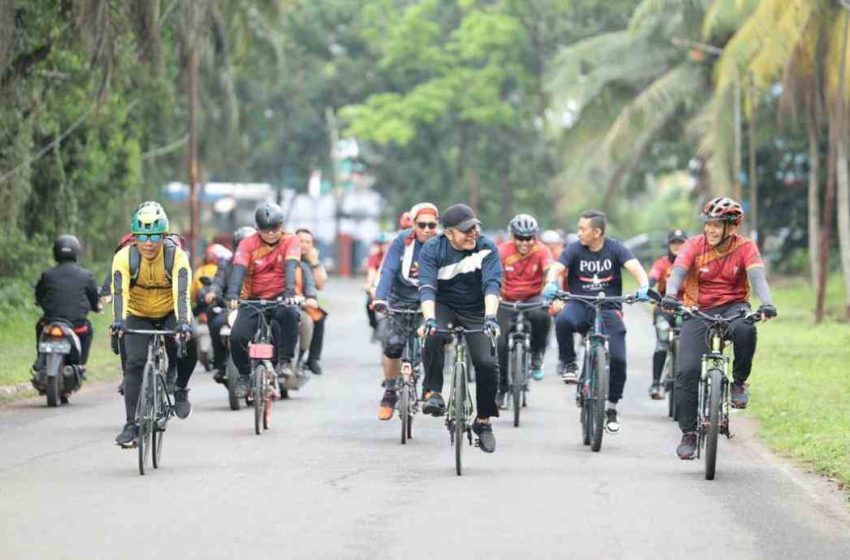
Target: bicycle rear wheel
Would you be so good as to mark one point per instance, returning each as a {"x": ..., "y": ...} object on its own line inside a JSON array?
[
  {"x": 259, "y": 398},
  {"x": 160, "y": 415},
  {"x": 404, "y": 411},
  {"x": 459, "y": 389},
  {"x": 268, "y": 400},
  {"x": 599, "y": 394},
  {"x": 583, "y": 397},
  {"x": 516, "y": 379},
  {"x": 144, "y": 419},
  {"x": 714, "y": 402},
  {"x": 232, "y": 385}
]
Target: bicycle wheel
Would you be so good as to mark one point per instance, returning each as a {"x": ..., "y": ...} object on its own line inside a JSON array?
[
  {"x": 144, "y": 420},
  {"x": 599, "y": 395},
  {"x": 673, "y": 367},
  {"x": 584, "y": 400},
  {"x": 515, "y": 378},
  {"x": 460, "y": 413},
  {"x": 160, "y": 415},
  {"x": 268, "y": 390},
  {"x": 259, "y": 374},
  {"x": 714, "y": 401},
  {"x": 404, "y": 411},
  {"x": 232, "y": 385}
]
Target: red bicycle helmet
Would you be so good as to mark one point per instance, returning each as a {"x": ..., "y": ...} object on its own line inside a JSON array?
[
  {"x": 213, "y": 252},
  {"x": 722, "y": 209}
]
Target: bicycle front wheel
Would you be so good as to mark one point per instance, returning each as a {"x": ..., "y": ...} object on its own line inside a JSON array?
[
  {"x": 599, "y": 394},
  {"x": 404, "y": 411},
  {"x": 259, "y": 375},
  {"x": 516, "y": 379},
  {"x": 232, "y": 385},
  {"x": 268, "y": 390},
  {"x": 714, "y": 403},
  {"x": 460, "y": 413},
  {"x": 671, "y": 380},
  {"x": 144, "y": 419}
]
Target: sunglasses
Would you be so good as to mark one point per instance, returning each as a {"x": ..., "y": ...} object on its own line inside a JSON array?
[
  {"x": 426, "y": 225},
  {"x": 152, "y": 237},
  {"x": 525, "y": 238}
]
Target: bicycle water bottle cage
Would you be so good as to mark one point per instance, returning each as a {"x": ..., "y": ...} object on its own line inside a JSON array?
[{"x": 258, "y": 351}]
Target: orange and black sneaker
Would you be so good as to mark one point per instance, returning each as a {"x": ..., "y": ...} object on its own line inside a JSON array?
[{"x": 387, "y": 406}]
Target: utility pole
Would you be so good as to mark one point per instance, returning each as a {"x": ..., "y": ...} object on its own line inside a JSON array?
[
  {"x": 192, "y": 158},
  {"x": 753, "y": 182}
]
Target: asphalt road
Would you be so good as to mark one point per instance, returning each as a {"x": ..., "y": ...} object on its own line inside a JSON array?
[{"x": 331, "y": 481}]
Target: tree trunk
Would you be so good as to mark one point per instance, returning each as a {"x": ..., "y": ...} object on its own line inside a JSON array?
[
  {"x": 843, "y": 184},
  {"x": 814, "y": 201}
]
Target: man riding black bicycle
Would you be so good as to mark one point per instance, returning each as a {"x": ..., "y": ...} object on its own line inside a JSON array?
[
  {"x": 714, "y": 271},
  {"x": 662, "y": 320},
  {"x": 151, "y": 281},
  {"x": 524, "y": 264},
  {"x": 264, "y": 267},
  {"x": 398, "y": 288},
  {"x": 460, "y": 279},
  {"x": 593, "y": 265}
]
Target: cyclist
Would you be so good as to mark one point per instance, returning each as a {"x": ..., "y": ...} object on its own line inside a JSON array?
[
  {"x": 524, "y": 262},
  {"x": 151, "y": 280},
  {"x": 213, "y": 255},
  {"x": 373, "y": 272},
  {"x": 265, "y": 267},
  {"x": 67, "y": 292},
  {"x": 553, "y": 241},
  {"x": 310, "y": 258},
  {"x": 593, "y": 265},
  {"x": 399, "y": 288},
  {"x": 663, "y": 321},
  {"x": 713, "y": 270},
  {"x": 218, "y": 320},
  {"x": 460, "y": 277}
]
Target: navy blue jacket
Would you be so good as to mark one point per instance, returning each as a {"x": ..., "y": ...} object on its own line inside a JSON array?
[
  {"x": 400, "y": 271},
  {"x": 459, "y": 279}
]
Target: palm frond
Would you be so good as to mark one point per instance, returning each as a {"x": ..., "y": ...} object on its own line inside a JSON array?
[
  {"x": 834, "y": 40},
  {"x": 651, "y": 109},
  {"x": 714, "y": 126},
  {"x": 782, "y": 42},
  {"x": 724, "y": 17}
]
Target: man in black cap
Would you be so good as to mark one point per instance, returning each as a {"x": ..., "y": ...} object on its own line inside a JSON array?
[
  {"x": 460, "y": 279},
  {"x": 661, "y": 270}
]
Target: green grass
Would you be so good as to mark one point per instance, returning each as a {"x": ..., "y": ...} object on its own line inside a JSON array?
[
  {"x": 17, "y": 346},
  {"x": 801, "y": 380}
]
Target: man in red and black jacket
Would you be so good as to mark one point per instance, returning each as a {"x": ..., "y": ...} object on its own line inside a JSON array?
[{"x": 264, "y": 267}]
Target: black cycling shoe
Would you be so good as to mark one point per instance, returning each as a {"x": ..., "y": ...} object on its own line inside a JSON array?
[
  {"x": 129, "y": 436},
  {"x": 687, "y": 449},
  {"x": 568, "y": 372},
  {"x": 486, "y": 439},
  {"x": 612, "y": 424},
  {"x": 434, "y": 404},
  {"x": 182, "y": 406},
  {"x": 314, "y": 366},
  {"x": 243, "y": 386},
  {"x": 219, "y": 376}
]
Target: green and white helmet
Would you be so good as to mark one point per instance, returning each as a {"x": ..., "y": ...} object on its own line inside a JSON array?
[{"x": 150, "y": 217}]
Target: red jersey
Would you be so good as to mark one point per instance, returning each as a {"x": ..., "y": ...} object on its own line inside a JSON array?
[
  {"x": 265, "y": 276},
  {"x": 375, "y": 260},
  {"x": 660, "y": 271},
  {"x": 523, "y": 274},
  {"x": 715, "y": 279}
]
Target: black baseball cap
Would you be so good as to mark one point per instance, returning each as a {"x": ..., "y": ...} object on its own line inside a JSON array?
[
  {"x": 461, "y": 217},
  {"x": 676, "y": 235}
]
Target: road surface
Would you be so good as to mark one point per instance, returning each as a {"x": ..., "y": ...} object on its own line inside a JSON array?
[{"x": 331, "y": 481}]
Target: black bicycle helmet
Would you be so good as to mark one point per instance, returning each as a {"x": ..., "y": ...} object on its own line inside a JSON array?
[
  {"x": 268, "y": 216},
  {"x": 676, "y": 235},
  {"x": 524, "y": 225},
  {"x": 66, "y": 248}
]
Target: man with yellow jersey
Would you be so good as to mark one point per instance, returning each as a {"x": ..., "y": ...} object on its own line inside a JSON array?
[{"x": 151, "y": 282}]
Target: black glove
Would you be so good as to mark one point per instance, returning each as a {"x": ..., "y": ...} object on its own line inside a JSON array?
[
  {"x": 184, "y": 329},
  {"x": 117, "y": 327},
  {"x": 429, "y": 327},
  {"x": 491, "y": 324},
  {"x": 669, "y": 303},
  {"x": 767, "y": 311}
]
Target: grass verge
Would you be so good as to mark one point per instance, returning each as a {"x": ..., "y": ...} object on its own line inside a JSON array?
[{"x": 800, "y": 384}]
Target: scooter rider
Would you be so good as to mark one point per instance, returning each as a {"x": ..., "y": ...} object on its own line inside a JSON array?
[{"x": 68, "y": 292}]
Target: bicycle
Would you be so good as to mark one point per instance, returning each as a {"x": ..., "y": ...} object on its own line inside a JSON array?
[
  {"x": 713, "y": 397},
  {"x": 592, "y": 387},
  {"x": 154, "y": 407},
  {"x": 264, "y": 385},
  {"x": 460, "y": 409},
  {"x": 408, "y": 402},
  {"x": 519, "y": 357}
]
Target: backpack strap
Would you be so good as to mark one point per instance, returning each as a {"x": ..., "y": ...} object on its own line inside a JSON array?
[
  {"x": 135, "y": 263},
  {"x": 169, "y": 250}
]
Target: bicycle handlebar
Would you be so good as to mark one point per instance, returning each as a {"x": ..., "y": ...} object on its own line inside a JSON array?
[
  {"x": 521, "y": 306},
  {"x": 181, "y": 343},
  {"x": 596, "y": 300},
  {"x": 752, "y": 317},
  {"x": 461, "y": 330}
]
